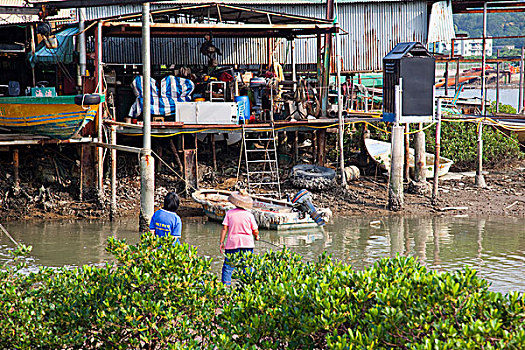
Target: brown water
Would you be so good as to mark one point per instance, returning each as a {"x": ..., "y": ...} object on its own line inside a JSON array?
[{"x": 494, "y": 247}]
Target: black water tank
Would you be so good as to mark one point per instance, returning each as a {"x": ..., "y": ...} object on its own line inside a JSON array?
[{"x": 413, "y": 63}]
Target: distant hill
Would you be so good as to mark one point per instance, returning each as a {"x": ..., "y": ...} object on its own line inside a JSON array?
[{"x": 498, "y": 24}]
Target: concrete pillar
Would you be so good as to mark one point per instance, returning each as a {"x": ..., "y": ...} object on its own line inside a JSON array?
[
  {"x": 395, "y": 191},
  {"x": 147, "y": 189}
]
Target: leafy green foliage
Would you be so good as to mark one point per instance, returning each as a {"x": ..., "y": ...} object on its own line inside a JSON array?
[
  {"x": 459, "y": 143},
  {"x": 502, "y": 108},
  {"x": 498, "y": 24},
  {"x": 160, "y": 296}
]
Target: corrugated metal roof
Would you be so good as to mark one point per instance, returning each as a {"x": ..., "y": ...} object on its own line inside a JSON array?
[
  {"x": 373, "y": 30},
  {"x": 63, "y": 15}
]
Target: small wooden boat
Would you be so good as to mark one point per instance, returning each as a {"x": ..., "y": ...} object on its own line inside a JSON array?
[
  {"x": 269, "y": 213},
  {"x": 380, "y": 151},
  {"x": 59, "y": 117}
]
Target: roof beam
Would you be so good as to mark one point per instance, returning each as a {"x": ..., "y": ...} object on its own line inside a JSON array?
[
  {"x": 17, "y": 10},
  {"x": 69, "y": 4}
]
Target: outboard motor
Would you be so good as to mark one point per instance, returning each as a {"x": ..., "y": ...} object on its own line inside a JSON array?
[{"x": 302, "y": 201}]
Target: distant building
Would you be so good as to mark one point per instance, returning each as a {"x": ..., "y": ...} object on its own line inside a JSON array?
[{"x": 472, "y": 47}]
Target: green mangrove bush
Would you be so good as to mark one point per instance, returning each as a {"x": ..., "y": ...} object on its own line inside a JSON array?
[
  {"x": 159, "y": 296},
  {"x": 459, "y": 143}
]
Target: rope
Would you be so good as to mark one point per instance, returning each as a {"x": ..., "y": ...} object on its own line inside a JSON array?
[
  {"x": 176, "y": 173},
  {"x": 8, "y": 235}
]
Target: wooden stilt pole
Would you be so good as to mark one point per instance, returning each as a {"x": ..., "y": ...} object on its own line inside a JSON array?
[
  {"x": 321, "y": 138},
  {"x": 16, "y": 165},
  {"x": 176, "y": 155},
  {"x": 420, "y": 159},
  {"x": 214, "y": 152}
]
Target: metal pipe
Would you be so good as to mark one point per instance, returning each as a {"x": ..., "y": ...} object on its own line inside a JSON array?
[
  {"x": 446, "y": 78},
  {"x": 294, "y": 68},
  {"x": 113, "y": 153},
  {"x": 340, "y": 105},
  {"x": 146, "y": 74},
  {"x": 480, "y": 180},
  {"x": 520, "y": 89},
  {"x": 33, "y": 50},
  {"x": 82, "y": 43},
  {"x": 497, "y": 86},
  {"x": 406, "y": 144},
  {"x": 456, "y": 83},
  {"x": 326, "y": 61},
  {"x": 522, "y": 71},
  {"x": 100, "y": 90},
  {"x": 437, "y": 150},
  {"x": 483, "y": 62}
]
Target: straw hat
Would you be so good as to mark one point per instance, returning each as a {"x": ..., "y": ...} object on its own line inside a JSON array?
[{"x": 241, "y": 199}]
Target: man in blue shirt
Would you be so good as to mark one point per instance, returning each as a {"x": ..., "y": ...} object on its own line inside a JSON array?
[{"x": 165, "y": 221}]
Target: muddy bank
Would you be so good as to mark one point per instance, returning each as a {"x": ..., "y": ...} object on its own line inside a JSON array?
[{"x": 54, "y": 194}]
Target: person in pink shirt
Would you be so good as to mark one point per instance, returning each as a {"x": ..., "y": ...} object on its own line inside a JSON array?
[{"x": 239, "y": 230}]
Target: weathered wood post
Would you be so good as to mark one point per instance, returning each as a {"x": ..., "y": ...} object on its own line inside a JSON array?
[
  {"x": 147, "y": 164},
  {"x": 436, "y": 153},
  {"x": 16, "y": 165},
  {"x": 420, "y": 159},
  {"x": 395, "y": 190}
]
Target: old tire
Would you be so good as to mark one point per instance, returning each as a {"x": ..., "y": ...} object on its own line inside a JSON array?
[
  {"x": 312, "y": 176},
  {"x": 87, "y": 100}
]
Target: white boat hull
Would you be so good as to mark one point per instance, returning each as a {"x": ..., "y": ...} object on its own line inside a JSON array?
[
  {"x": 380, "y": 151},
  {"x": 269, "y": 213}
]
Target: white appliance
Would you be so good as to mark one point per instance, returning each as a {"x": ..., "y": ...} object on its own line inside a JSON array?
[{"x": 207, "y": 112}]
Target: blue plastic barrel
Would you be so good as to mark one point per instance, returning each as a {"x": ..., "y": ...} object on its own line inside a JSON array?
[{"x": 243, "y": 108}]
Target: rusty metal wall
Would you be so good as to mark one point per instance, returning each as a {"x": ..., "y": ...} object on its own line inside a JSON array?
[
  {"x": 371, "y": 30},
  {"x": 184, "y": 51}
]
